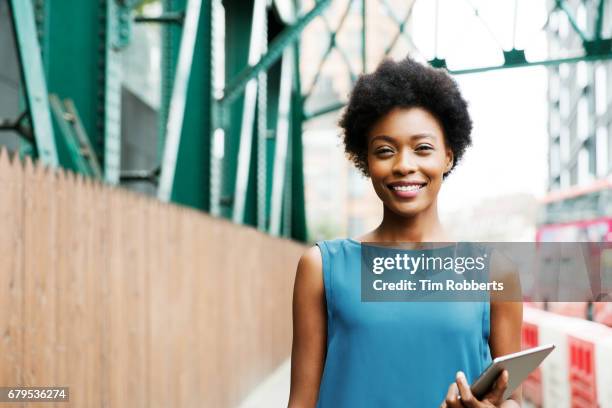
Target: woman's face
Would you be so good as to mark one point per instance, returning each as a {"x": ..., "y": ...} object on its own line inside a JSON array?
[{"x": 407, "y": 158}]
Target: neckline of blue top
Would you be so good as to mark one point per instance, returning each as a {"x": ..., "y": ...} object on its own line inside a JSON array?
[{"x": 354, "y": 241}]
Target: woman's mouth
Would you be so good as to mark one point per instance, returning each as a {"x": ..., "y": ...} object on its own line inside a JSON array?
[{"x": 406, "y": 190}]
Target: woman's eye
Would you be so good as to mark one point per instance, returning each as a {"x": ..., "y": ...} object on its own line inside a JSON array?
[
  {"x": 424, "y": 147},
  {"x": 384, "y": 151}
]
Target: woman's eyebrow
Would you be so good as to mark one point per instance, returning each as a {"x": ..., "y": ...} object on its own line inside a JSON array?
[
  {"x": 382, "y": 137},
  {"x": 423, "y": 136}
]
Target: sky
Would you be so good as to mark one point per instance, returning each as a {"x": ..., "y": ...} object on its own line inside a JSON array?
[
  {"x": 510, "y": 139},
  {"x": 508, "y": 107}
]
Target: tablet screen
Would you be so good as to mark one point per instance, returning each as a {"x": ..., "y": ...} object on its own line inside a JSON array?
[{"x": 519, "y": 365}]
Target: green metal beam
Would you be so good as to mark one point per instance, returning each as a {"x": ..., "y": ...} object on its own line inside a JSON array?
[
  {"x": 65, "y": 123},
  {"x": 176, "y": 115},
  {"x": 262, "y": 157},
  {"x": 273, "y": 97},
  {"x": 85, "y": 147},
  {"x": 171, "y": 42},
  {"x": 602, "y": 57},
  {"x": 551, "y": 62},
  {"x": 401, "y": 28},
  {"x": 282, "y": 143},
  {"x": 330, "y": 47},
  {"x": 262, "y": 154},
  {"x": 401, "y": 24},
  {"x": 600, "y": 18},
  {"x": 192, "y": 176},
  {"x": 191, "y": 185},
  {"x": 319, "y": 70},
  {"x": 334, "y": 34},
  {"x": 230, "y": 117},
  {"x": 248, "y": 114},
  {"x": 237, "y": 85},
  {"x": 217, "y": 142},
  {"x": 298, "y": 207},
  {"x": 173, "y": 17},
  {"x": 32, "y": 75},
  {"x": 114, "y": 40},
  {"x": 562, "y": 4},
  {"x": 82, "y": 42},
  {"x": 323, "y": 111}
]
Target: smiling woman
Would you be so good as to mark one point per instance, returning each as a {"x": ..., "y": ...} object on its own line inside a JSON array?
[
  {"x": 405, "y": 84},
  {"x": 406, "y": 127},
  {"x": 407, "y": 159}
]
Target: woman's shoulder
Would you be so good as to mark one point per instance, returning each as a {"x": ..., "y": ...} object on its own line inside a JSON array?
[
  {"x": 324, "y": 250},
  {"x": 311, "y": 258},
  {"x": 308, "y": 276},
  {"x": 336, "y": 242},
  {"x": 310, "y": 266}
]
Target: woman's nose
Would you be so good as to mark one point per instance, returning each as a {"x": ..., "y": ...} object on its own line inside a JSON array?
[{"x": 404, "y": 163}]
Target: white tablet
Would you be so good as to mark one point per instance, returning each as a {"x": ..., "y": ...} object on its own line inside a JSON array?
[{"x": 519, "y": 365}]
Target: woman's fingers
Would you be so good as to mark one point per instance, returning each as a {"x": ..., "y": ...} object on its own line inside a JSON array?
[
  {"x": 460, "y": 395},
  {"x": 452, "y": 397},
  {"x": 467, "y": 399},
  {"x": 496, "y": 395}
]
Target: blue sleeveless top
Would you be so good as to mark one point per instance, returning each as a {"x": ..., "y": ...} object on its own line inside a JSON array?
[{"x": 393, "y": 354}]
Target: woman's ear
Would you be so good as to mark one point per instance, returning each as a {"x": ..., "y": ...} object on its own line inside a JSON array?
[{"x": 449, "y": 160}]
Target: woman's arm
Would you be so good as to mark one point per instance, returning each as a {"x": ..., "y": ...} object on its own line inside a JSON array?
[
  {"x": 506, "y": 320},
  {"x": 309, "y": 331},
  {"x": 505, "y": 338}
]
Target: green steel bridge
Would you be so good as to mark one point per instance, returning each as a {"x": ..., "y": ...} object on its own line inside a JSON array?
[{"x": 235, "y": 149}]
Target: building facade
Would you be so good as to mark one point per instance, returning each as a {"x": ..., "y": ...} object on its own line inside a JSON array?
[{"x": 580, "y": 119}]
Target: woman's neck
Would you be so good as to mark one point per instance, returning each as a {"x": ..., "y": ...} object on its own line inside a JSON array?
[{"x": 423, "y": 227}]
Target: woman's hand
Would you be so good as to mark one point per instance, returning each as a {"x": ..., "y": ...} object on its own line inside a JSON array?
[{"x": 460, "y": 396}]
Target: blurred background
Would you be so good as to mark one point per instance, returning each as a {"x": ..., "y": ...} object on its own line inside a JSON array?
[{"x": 230, "y": 108}]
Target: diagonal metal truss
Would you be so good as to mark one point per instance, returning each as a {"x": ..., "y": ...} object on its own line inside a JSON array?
[
  {"x": 32, "y": 73},
  {"x": 594, "y": 47},
  {"x": 232, "y": 104}
]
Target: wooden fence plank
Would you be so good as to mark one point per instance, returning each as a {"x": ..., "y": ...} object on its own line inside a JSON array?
[
  {"x": 66, "y": 197},
  {"x": 117, "y": 328},
  {"x": 11, "y": 271},
  {"x": 131, "y": 302},
  {"x": 94, "y": 241},
  {"x": 162, "y": 372},
  {"x": 40, "y": 320}
]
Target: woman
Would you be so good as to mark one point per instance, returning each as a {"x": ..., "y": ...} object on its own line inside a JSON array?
[{"x": 406, "y": 127}]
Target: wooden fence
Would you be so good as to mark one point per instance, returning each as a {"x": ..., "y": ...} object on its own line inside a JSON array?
[{"x": 131, "y": 302}]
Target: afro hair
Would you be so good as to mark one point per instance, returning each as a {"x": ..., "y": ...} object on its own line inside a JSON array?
[{"x": 404, "y": 84}]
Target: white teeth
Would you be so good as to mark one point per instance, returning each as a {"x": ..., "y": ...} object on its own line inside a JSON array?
[{"x": 413, "y": 187}]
